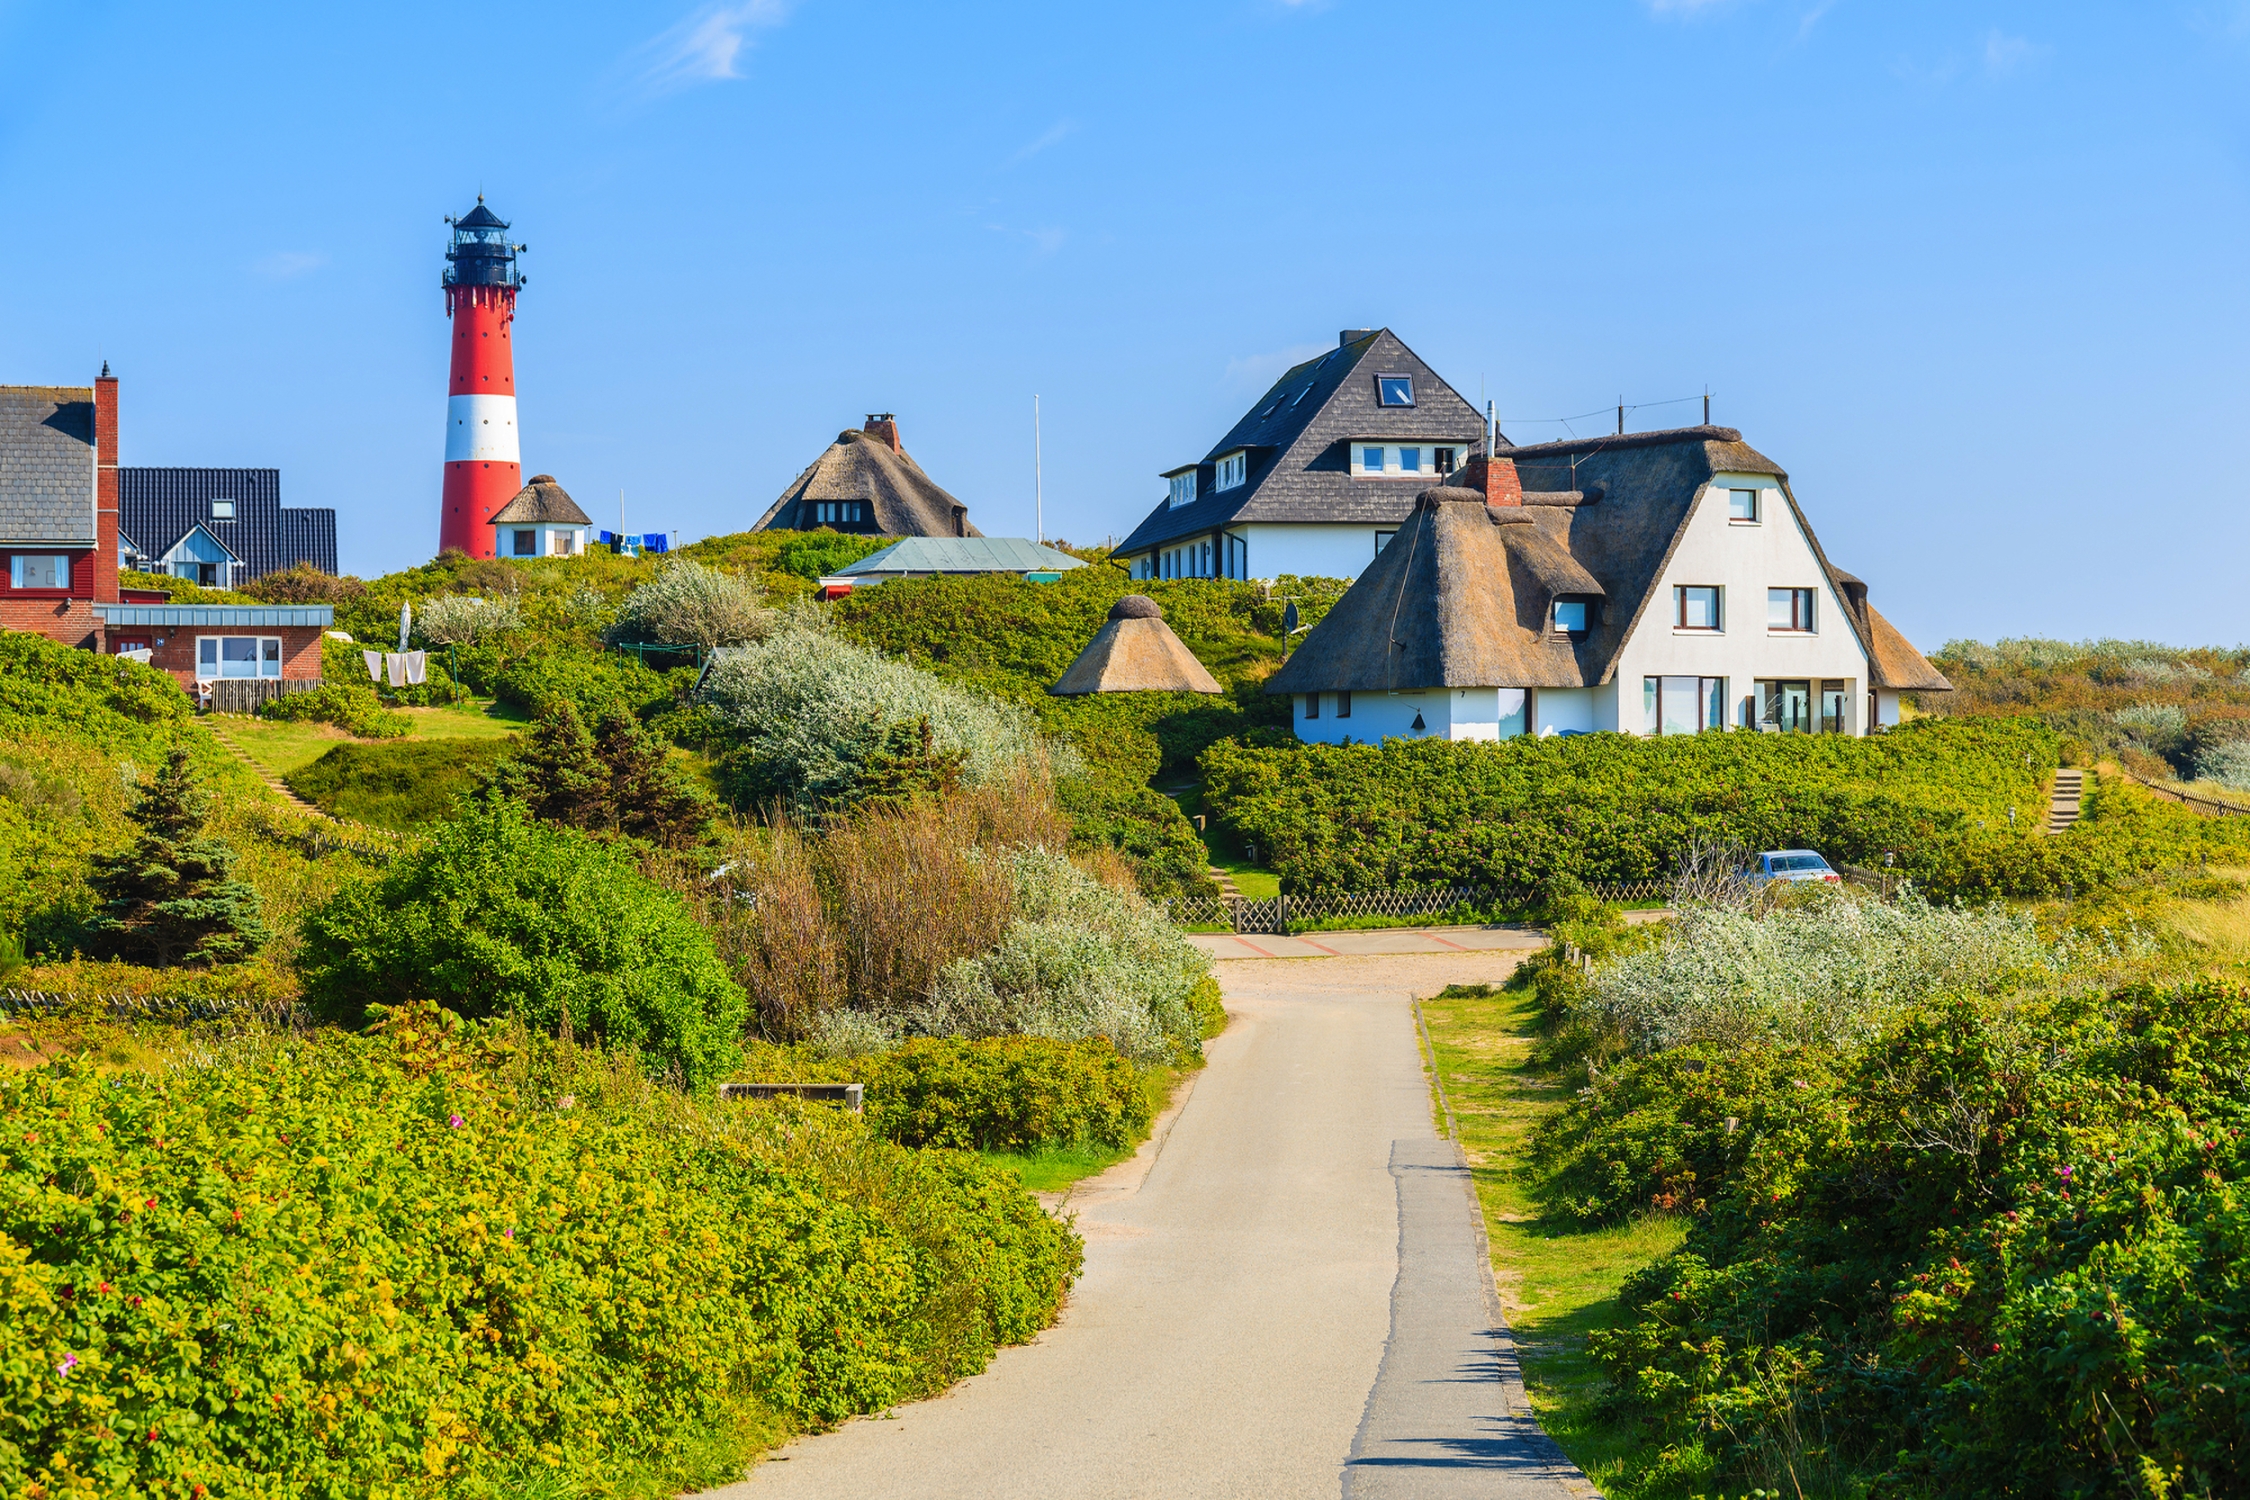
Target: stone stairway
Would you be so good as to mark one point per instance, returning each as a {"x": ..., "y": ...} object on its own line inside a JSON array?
[
  {"x": 2062, "y": 807},
  {"x": 213, "y": 722},
  {"x": 1225, "y": 883}
]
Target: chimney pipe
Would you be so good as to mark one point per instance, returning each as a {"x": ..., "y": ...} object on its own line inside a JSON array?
[
  {"x": 1352, "y": 336},
  {"x": 105, "y": 487},
  {"x": 883, "y": 425}
]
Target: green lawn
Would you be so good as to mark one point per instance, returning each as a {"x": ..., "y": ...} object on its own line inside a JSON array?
[
  {"x": 1052, "y": 1167},
  {"x": 1254, "y": 882},
  {"x": 282, "y": 747},
  {"x": 1556, "y": 1282}
]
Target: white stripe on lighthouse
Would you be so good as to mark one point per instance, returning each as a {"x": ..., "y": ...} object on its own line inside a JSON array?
[{"x": 481, "y": 428}]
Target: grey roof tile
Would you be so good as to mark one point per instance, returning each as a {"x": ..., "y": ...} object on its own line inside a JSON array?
[{"x": 47, "y": 464}]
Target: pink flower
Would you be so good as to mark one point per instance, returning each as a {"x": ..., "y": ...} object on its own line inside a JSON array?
[
  {"x": 2064, "y": 1172},
  {"x": 456, "y": 1122},
  {"x": 69, "y": 1363},
  {"x": 507, "y": 1234}
]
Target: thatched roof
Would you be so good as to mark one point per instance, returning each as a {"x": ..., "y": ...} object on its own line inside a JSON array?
[
  {"x": 869, "y": 465},
  {"x": 1461, "y": 597},
  {"x": 541, "y": 503},
  {"x": 1898, "y": 664},
  {"x": 1135, "y": 652}
]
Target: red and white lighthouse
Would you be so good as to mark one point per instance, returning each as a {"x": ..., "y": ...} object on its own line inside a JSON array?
[{"x": 483, "y": 462}]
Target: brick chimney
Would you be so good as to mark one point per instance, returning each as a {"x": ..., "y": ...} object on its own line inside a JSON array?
[
  {"x": 885, "y": 426},
  {"x": 105, "y": 487},
  {"x": 1495, "y": 477}
]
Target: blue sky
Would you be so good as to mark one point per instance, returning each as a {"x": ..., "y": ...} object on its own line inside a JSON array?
[{"x": 1973, "y": 273}]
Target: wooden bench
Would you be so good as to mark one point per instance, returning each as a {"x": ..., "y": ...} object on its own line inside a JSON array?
[{"x": 846, "y": 1094}]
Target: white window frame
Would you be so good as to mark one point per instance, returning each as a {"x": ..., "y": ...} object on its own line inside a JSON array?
[
  {"x": 1394, "y": 464},
  {"x": 1231, "y": 471},
  {"x": 259, "y": 658},
  {"x": 1382, "y": 397},
  {"x": 1183, "y": 487},
  {"x": 61, "y": 561},
  {"x": 222, "y": 510}
]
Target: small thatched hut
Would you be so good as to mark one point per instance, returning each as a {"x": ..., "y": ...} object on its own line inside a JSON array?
[{"x": 1135, "y": 652}]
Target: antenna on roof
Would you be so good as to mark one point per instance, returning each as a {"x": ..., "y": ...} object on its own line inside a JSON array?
[
  {"x": 1491, "y": 431},
  {"x": 1706, "y": 405},
  {"x": 1621, "y": 416}
]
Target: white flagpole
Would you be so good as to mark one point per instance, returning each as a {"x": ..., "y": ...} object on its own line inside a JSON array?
[{"x": 1038, "y": 477}]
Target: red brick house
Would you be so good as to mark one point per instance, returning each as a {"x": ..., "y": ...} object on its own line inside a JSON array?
[{"x": 59, "y": 546}]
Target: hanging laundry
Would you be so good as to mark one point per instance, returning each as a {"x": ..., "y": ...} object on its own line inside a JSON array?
[
  {"x": 417, "y": 668},
  {"x": 395, "y": 663},
  {"x": 374, "y": 660}
]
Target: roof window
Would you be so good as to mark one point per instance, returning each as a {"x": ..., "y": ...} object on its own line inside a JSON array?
[
  {"x": 222, "y": 510},
  {"x": 1394, "y": 390},
  {"x": 1301, "y": 395}
]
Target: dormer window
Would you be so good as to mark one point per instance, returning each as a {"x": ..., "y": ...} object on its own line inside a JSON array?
[
  {"x": 222, "y": 510},
  {"x": 1570, "y": 616},
  {"x": 1183, "y": 486},
  {"x": 1231, "y": 470},
  {"x": 1394, "y": 390},
  {"x": 1399, "y": 461}
]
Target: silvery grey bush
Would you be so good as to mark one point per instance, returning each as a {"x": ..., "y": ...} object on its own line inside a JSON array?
[
  {"x": 2227, "y": 763},
  {"x": 464, "y": 619},
  {"x": 689, "y": 604},
  {"x": 812, "y": 708},
  {"x": 1081, "y": 960},
  {"x": 1825, "y": 972},
  {"x": 2152, "y": 720}
]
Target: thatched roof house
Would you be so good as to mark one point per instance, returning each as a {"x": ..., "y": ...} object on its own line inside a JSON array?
[
  {"x": 867, "y": 483},
  {"x": 1653, "y": 583},
  {"x": 541, "y": 520},
  {"x": 1135, "y": 652}
]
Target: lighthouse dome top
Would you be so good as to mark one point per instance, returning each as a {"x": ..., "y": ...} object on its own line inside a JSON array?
[{"x": 480, "y": 254}]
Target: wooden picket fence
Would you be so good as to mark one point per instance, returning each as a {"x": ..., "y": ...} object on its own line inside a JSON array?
[
  {"x": 165, "y": 1008},
  {"x": 1241, "y": 914}
]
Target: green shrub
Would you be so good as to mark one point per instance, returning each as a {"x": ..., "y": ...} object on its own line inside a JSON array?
[
  {"x": 815, "y": 555},
  {"x": 118, "y": 705},
  {"x": 499, "y": 915},
  {"x": 403, "y": 785},
  {"x": 434, "y": 1262},
  {"x": 351, "y": 708},
  {"x": 1209, "y": 1008},
  {"x": 2000, "y": 1252},
  {"x": 595, "y": 683},
  {"x": 1006, "y": 1094}
]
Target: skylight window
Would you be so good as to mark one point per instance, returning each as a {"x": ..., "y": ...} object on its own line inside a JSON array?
[
  {"x": 1394, "y": 390},
  {"x": 1301, "y": 395}
]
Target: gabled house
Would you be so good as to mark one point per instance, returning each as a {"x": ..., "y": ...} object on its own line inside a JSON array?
[
  {"x": 867, "y": 483},
  {"x": 1654, "y": 583},
  {"x": 1317, "y": 475},
  {"x": 541, "y": 520},
  {"x": 217, "y": 527}
]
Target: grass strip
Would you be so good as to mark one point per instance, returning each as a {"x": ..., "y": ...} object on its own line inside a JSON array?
[{"x": 1556, "y": 1282}]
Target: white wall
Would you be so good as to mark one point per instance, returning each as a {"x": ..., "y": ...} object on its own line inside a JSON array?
[
  {"x": 1744, "y": 560},
  {"x": 1310, "y": 551},
  {"x": 1886, "y": 707}
]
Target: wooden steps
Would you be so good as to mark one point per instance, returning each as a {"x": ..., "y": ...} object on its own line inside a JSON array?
[
  {"x": 2062, "y": 807},
  {"x": 219, "y": 732}
]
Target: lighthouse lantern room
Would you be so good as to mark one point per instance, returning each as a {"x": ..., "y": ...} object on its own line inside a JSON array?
[{"x": 483, "y": 460}]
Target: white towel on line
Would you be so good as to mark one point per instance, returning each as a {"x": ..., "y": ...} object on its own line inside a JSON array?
[
  {"x": 417, "y": 668},
  {"x": 374, "y": 660},
  {"x": 395, "y": 663}
]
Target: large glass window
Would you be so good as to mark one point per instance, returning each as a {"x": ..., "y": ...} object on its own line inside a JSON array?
[
  {"x": 1789, "y": 609},
  {"x": 1683, "y": 705},
  {"x": 237, "y": 656},
  {"x": 1785, "y": 706},
  {"x": 1697, "y": 606},
  {"x": 1835, "y": 700},
  {"x": 48, "y": 572}
]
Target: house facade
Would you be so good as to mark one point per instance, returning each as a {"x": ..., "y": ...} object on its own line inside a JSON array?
[
  {"x": 217, "y": 527},
  {"x": 1318, "y": 475},
  {"x": 541, "y": 520},
  {"x": 58, "y": 508},
  {"x": 1652, "y": 583}
]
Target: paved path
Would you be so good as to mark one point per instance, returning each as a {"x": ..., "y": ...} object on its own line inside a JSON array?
[
  {"x": 1363, "y": 944},
  {"x": 1286, "y": 1298}
]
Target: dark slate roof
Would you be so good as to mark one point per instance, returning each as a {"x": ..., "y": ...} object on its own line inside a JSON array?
[
  {"x": 1299, "y": 449},
  {"x": 481, "y": 217},
  {"x": 156, "y": 507},
  {"x": 47, "y": 464},
  {"x": 541, "y": 502},
  {"x": 862, "y": 465}
]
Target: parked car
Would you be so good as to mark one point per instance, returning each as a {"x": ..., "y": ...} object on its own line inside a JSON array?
[{"x": 1793, "y": 864}]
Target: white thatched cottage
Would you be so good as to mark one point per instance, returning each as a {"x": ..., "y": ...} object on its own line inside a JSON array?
[{"x": 1654, "y": 583}]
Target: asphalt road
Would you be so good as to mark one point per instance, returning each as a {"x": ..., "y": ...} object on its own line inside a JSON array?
[{"x": 1285, "y": 1295}]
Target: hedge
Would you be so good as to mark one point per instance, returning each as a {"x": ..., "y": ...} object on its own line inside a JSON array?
[{"x": 438, "y": 1261}]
